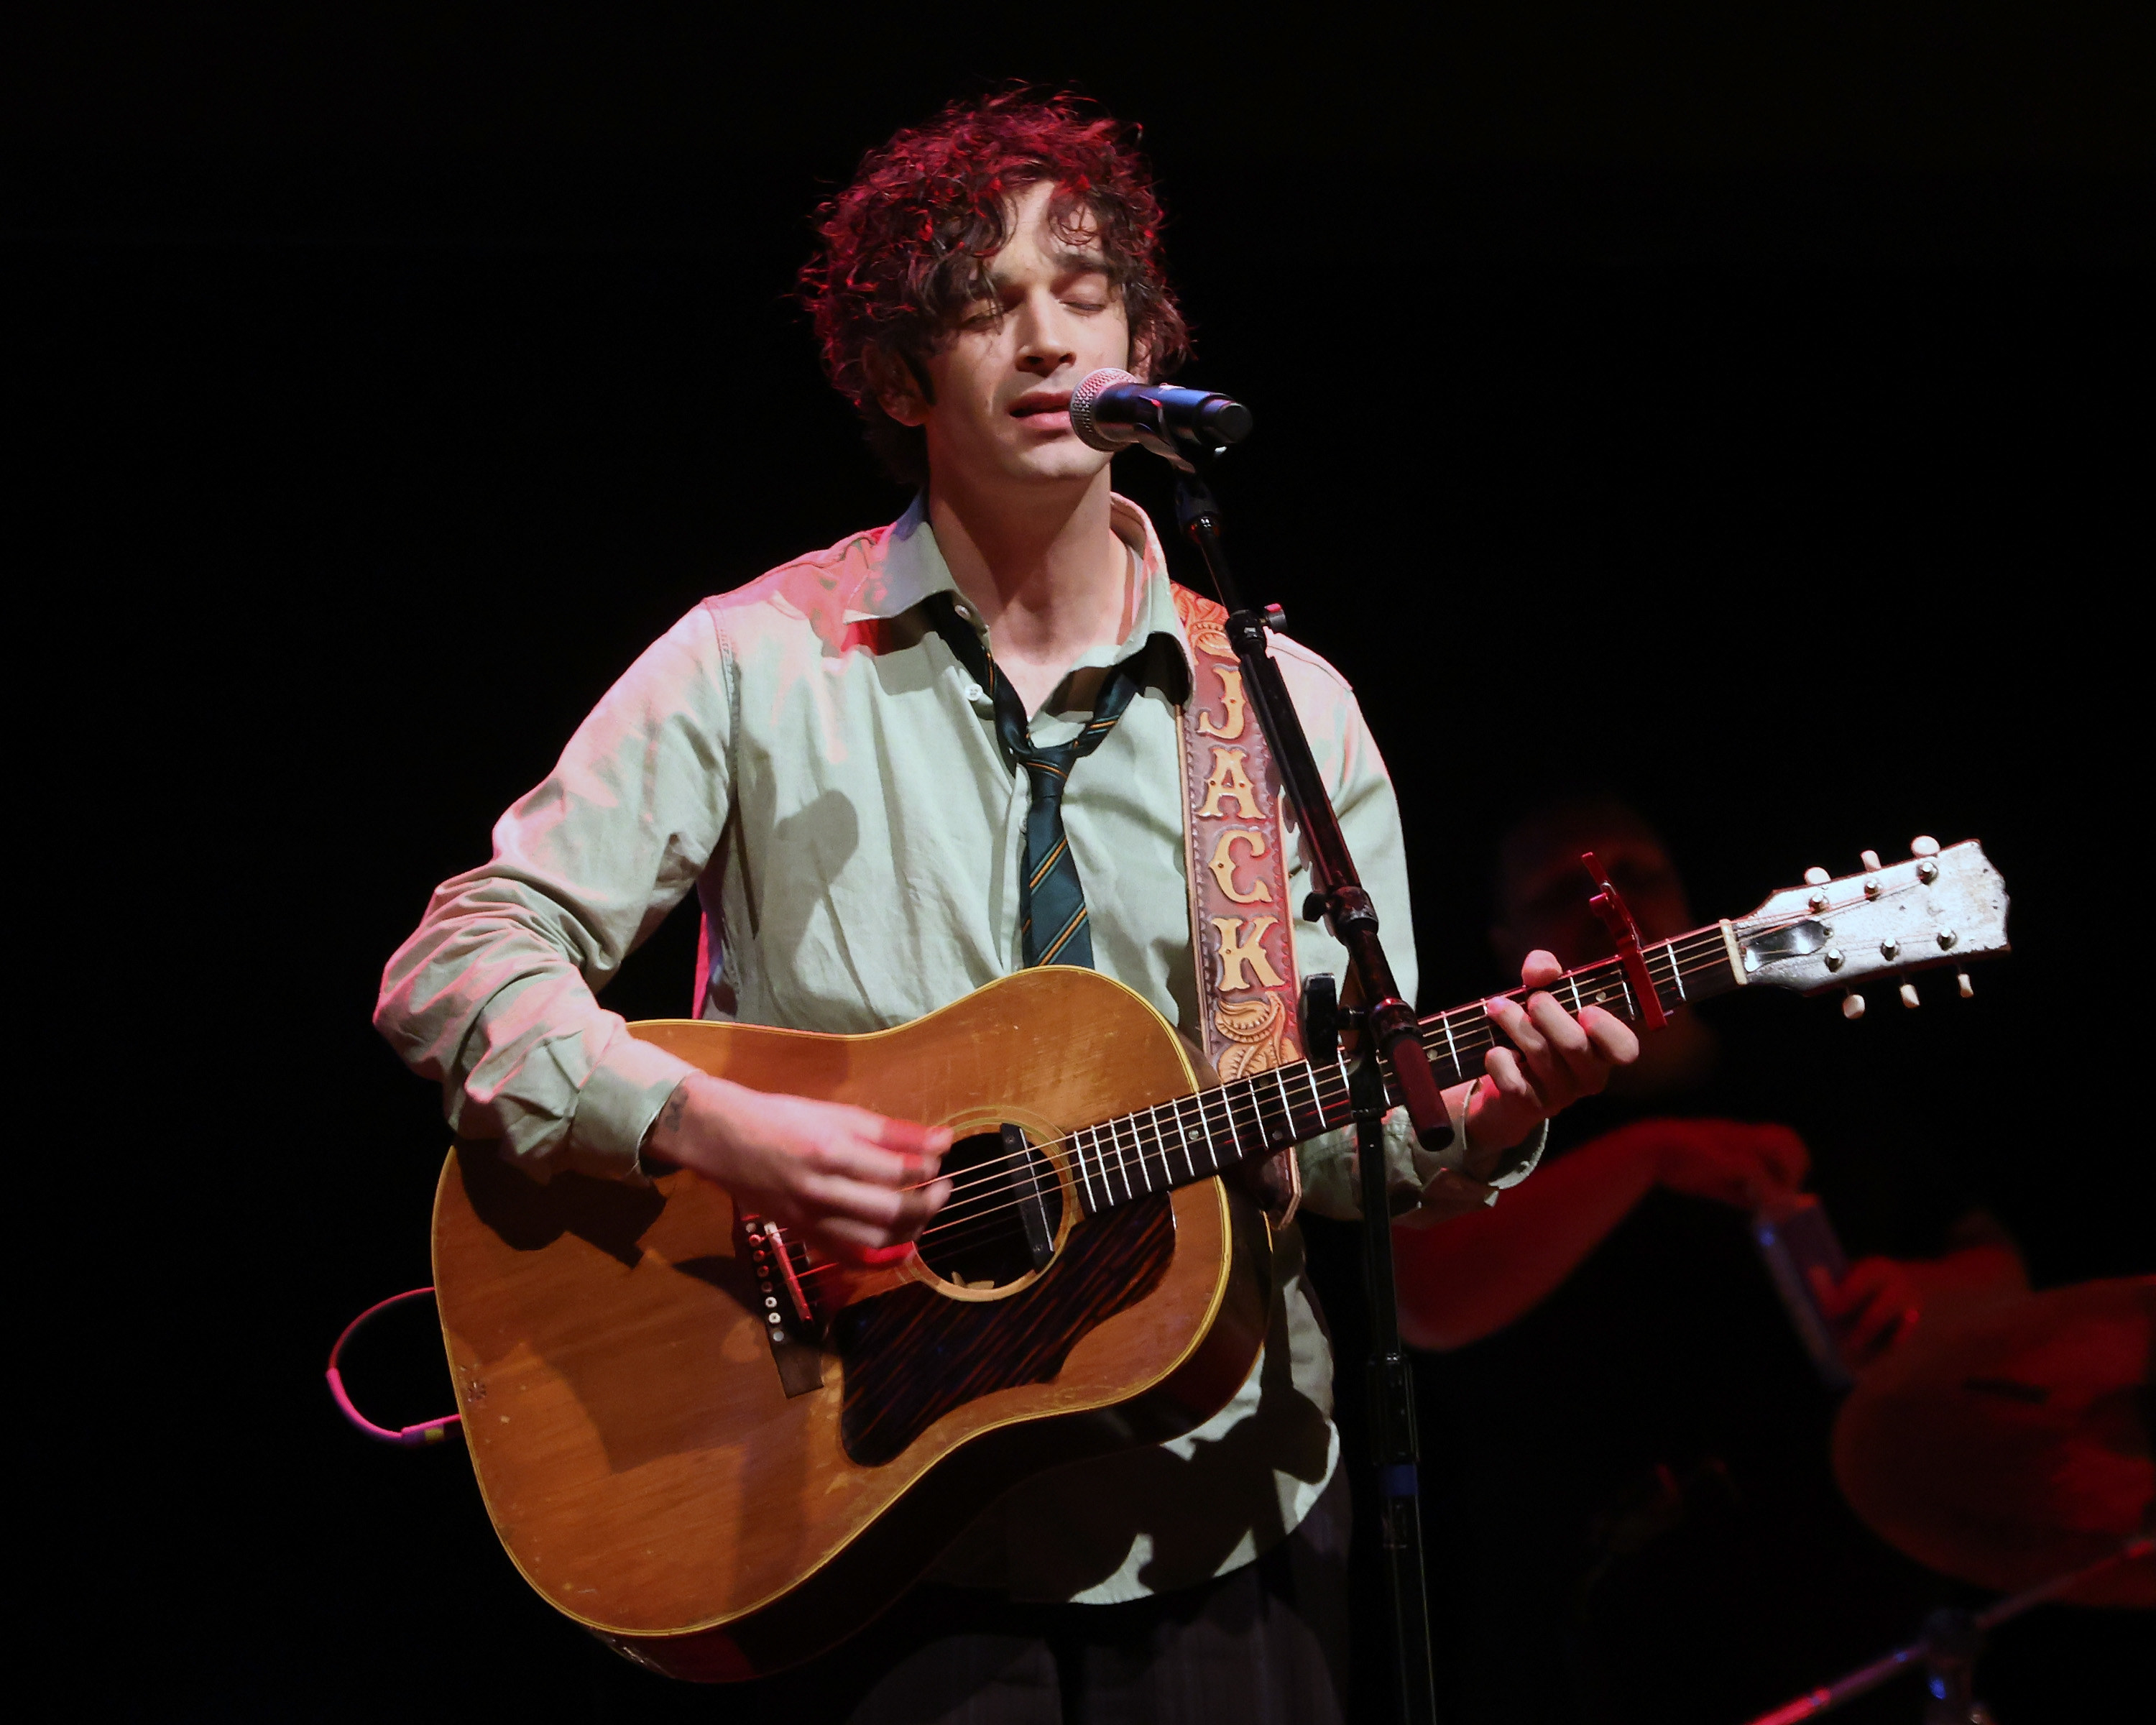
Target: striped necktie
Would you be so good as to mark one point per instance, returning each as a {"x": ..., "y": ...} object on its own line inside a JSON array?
[{"x": 1051, "y": 900}]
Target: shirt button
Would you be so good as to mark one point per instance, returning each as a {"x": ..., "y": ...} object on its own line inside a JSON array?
[{"x": 977, "y": 695}]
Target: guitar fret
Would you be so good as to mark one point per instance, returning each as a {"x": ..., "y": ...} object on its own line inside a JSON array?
[
  {"x": 1123, "y": 1162},
  {"x": 1212, "y": 1144},
  {"x": 1160, "y": 1148},
  {"x": 1100, "y": 1169},
  {"x": 1287, "y": 1108},
  {"x": 1253, "y": 1089},
  {"x": 1255, "y": 1098},
  {"x": 1677, "y": 970},
  {"x": 1316, "y": 1100},
  {"x": 1183, "y": 1131},
  {"x": 1345, "y": 1107},
  {"x": 1347, "y": 1082},
  {"x": 1085, "y": 1179},
  {"x": 1452, "y": 1048}
]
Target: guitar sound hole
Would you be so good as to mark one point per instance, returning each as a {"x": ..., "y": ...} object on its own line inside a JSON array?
[{"x": 1000, "y": 1221}]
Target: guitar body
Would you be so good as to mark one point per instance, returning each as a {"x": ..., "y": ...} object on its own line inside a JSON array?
[{"x": 638, "y": 1453}]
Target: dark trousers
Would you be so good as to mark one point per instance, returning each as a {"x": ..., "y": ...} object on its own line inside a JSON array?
[{"x": 1265, "y": 1645}]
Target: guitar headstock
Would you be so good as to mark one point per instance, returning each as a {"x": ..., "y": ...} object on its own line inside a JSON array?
[{"x": 1939, "y": 907}]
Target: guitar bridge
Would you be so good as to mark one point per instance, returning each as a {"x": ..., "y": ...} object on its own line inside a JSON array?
[{"x": 790, "y": 1318}]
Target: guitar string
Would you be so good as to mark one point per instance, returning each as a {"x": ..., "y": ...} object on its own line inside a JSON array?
[
  {"x": 1331, "y": 1096},
  {"x": 1703, "y": 949},
  {"x": 1100, "y": 1165},
  {"x": 1667, "y": 962},
  {"x": 1327, "y": 1090},
  {"x": 1472, "y": 1036},
  {"x": 954, "y": 1229},
  {"x": 1324, "y": 1083},
  {"x": 996, "y": 1174}
]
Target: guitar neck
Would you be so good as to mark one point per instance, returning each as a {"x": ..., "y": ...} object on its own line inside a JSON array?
[
  {"x": 1194, "y": 1137},
  {"x": 1693, "y": 966}
]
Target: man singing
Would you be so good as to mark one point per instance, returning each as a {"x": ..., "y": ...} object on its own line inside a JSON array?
[{"x": 840, "y": 759}]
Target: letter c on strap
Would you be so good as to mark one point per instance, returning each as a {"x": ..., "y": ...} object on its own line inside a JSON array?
[{"x": 1222, "y": 867}]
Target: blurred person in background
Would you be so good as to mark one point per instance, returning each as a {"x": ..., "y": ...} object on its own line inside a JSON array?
[{"x": 1650, "y": 1485}]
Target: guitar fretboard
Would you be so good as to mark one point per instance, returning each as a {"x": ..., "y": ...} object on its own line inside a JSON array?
[{"x": 1193, "y": 1137}]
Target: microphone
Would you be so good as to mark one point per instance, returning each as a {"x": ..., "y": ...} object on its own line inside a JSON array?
[{"x": 1110, "y": 409}]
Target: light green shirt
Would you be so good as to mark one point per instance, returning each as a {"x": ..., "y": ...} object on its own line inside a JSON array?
[{"x": 809, "y": 756}]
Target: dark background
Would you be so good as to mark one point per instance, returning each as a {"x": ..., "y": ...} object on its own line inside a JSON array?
[{"x": 1747, "y": 408}]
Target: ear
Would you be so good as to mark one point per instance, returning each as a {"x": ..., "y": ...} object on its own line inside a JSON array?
[{"x": 900, "y": 391}]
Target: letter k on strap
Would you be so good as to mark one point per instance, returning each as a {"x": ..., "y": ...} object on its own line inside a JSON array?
[{"x": 1051, "y": 901}]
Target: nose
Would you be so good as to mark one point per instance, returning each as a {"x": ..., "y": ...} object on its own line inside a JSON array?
[{"x": 1044, "y": 344}]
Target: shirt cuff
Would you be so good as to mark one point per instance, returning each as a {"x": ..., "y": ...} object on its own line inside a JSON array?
[
  {"x": 618, "y": 1101},
  {"x": 1513, "y": 1165},
  {"x": 1516, "y": 1163}
]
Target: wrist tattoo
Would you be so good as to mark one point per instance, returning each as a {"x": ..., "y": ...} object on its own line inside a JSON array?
[{"x": 677, "y": 1105}]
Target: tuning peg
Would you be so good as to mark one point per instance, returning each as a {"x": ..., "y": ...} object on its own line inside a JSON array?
[
  {"x": 1909, "y": 995},
  {"x": 1816, "y": 877},
  {"x": 1927, "y": 869},
  {"x": 1923, "y": 847},
  {"x": 1961, "y": 978},
  {"x": 1869, "y": 859},
  {"x": 1852, "y": 1005}
]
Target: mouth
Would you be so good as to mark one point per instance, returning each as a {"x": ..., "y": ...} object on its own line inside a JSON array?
[{"x": 1045, "y": 408}]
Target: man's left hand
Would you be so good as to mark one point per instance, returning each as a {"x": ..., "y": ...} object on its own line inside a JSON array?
[{"x": 1554, "y": 1060}]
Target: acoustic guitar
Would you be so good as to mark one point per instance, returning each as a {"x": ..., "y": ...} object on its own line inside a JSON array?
[{"x": 721, "y": 1458}]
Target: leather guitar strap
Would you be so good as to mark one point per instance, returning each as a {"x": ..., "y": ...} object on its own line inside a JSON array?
[{"x": 1241, "y": 923}]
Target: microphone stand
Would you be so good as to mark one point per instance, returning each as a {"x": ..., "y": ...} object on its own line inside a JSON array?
[{"x": 1389, "y": 1026}]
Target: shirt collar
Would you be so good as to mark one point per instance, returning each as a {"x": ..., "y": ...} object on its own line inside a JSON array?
[{"x": 908, "y": 566}]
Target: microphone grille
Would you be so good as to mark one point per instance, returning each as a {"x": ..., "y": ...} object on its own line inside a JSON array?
[{"x": 1090, "y": 390}]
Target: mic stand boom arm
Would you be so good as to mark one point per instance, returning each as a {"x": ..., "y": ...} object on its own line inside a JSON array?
[{"x": 1389, "y": 1027}]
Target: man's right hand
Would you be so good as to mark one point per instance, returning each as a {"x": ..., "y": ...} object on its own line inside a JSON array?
[
  {"x": 858, "y": 1186},
  {"x": 1729, "y": 1160}
]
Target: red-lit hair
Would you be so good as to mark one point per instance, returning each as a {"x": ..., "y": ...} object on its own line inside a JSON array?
[{"x": 905, "y": 247}]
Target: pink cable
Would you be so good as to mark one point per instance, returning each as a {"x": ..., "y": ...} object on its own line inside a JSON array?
[{"x": 411, "y": 1437}]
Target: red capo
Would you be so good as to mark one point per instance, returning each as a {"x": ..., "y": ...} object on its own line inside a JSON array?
[{"x": 1624, "y": 936}]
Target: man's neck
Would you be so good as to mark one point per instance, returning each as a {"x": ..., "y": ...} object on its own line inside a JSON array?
[{"x": 1047, "y": 573}]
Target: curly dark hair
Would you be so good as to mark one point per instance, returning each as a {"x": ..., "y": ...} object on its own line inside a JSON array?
[{"x": 906, "y": 248}]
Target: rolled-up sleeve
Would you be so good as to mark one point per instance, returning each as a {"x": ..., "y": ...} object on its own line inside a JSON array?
[
  {"x": 494, "y": 994},
  {"x": 1369, "y": 813}
]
